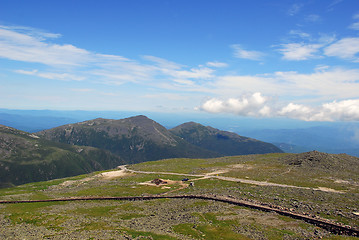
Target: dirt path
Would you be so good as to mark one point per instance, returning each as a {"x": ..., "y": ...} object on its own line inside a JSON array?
[
  {"x": 216, "y": 173},
  {"x": 123, "y": 171}
]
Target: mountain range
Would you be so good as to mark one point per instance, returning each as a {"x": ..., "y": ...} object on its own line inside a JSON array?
[
  {"x": 99, "y": 144},
  {"x": 291, "y": 136}
]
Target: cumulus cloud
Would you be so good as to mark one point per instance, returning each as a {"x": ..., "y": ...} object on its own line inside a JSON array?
[
  {"x": 248, "y": 105},
  {"x": 257, "y": 105},
  {"x": 346, "y": 48},
  {"x": 345, "y": 110},
  {"x": 240, "y": 52},
  {"x": 296, "y": 111}
]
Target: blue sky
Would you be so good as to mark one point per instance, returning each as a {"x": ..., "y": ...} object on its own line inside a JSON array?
[{"x": 260, "y": 58}]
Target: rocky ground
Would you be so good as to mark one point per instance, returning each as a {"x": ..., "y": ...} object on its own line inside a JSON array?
[{"x": 186, "y": 218}]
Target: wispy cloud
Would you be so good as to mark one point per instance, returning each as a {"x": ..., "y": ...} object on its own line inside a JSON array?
[
  {"x": 178, "y": 82},
  {"x": 304, "y": 46},
  {"x": 333, "y": 3},
  {"x": 240, "y": 52},
  {"x": 17, "y": 45},
  {"x": 294, "y": 9},
  {"x": 346, "y": 48},
  {"x": 217, "y": 64},
  {"x": 51, "y": 75},
  {"x": 355, "y": 25},
  {"x": 68, "y": 62},
  {"x": 299, "y": 51},
  {"x": 300, "y": 34}
]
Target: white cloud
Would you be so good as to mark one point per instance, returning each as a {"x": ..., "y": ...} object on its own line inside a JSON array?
[
  {"x": 163, "y": 63},
  {"x": 194, "y": 73},
  {"x": 50, "y": 75},
  {"x": 68, "y": 62},
  {"x": 177, "y": 72},
  {"x": 257, "y": 105},
  {"x": 299, "y": 51},
  {"x": 36, "y": 33},
  {"x": 355, "y": 25},
  {"x": 296, "y": 111},
  {"x": 299, "y": 33},
  {"x": 247, "y": 105},
  {"x": 324, "y": 83},
  {"x": 217, "y": 64},
  {"x": 346, "y": 48},
  {"x": 294, "y": 9},
  {"x": 333, "y": 3},
  {"x": 29, "y": 48},
  {"x": 239, "y": 52},
  {"x": 345, "y": 110}
]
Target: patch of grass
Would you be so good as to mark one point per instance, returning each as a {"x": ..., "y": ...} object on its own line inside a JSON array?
[
  {"x": 145, "y": 235},
  {"x": 32, "y": 213},
  {"x": 129, "y": 207},
  {"x": 130, "y": 216},
  {"x": 95, "y": 211},
  {"x": 188, "y": 229}
]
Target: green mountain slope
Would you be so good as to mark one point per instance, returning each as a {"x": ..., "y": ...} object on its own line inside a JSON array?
[
  {"x": 135, "y": 139},
  {"x": 25, "y": 157},
  {"x": 298, "y": 183},
  {"x": 226, "y": 143}
]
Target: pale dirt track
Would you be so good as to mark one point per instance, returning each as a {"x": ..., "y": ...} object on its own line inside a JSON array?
[{"x": 215, "y": 174}]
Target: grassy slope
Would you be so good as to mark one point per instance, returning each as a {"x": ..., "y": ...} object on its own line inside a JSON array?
[
  {"x": 184, "y": 219},
  {"x": 25, "y": 158},
  {"x": 223, "y": 142}
]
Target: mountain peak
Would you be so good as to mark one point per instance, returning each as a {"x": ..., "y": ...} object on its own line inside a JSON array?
[
  {"x": 135, "y": 139},
  {"x": 226, "y": 143}
]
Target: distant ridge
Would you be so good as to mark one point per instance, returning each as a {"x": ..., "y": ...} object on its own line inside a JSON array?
[
  {"x": 138, "y": 139},
  {"x": 135, "y": 139},
  {"x": 223, "y": 142}
]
